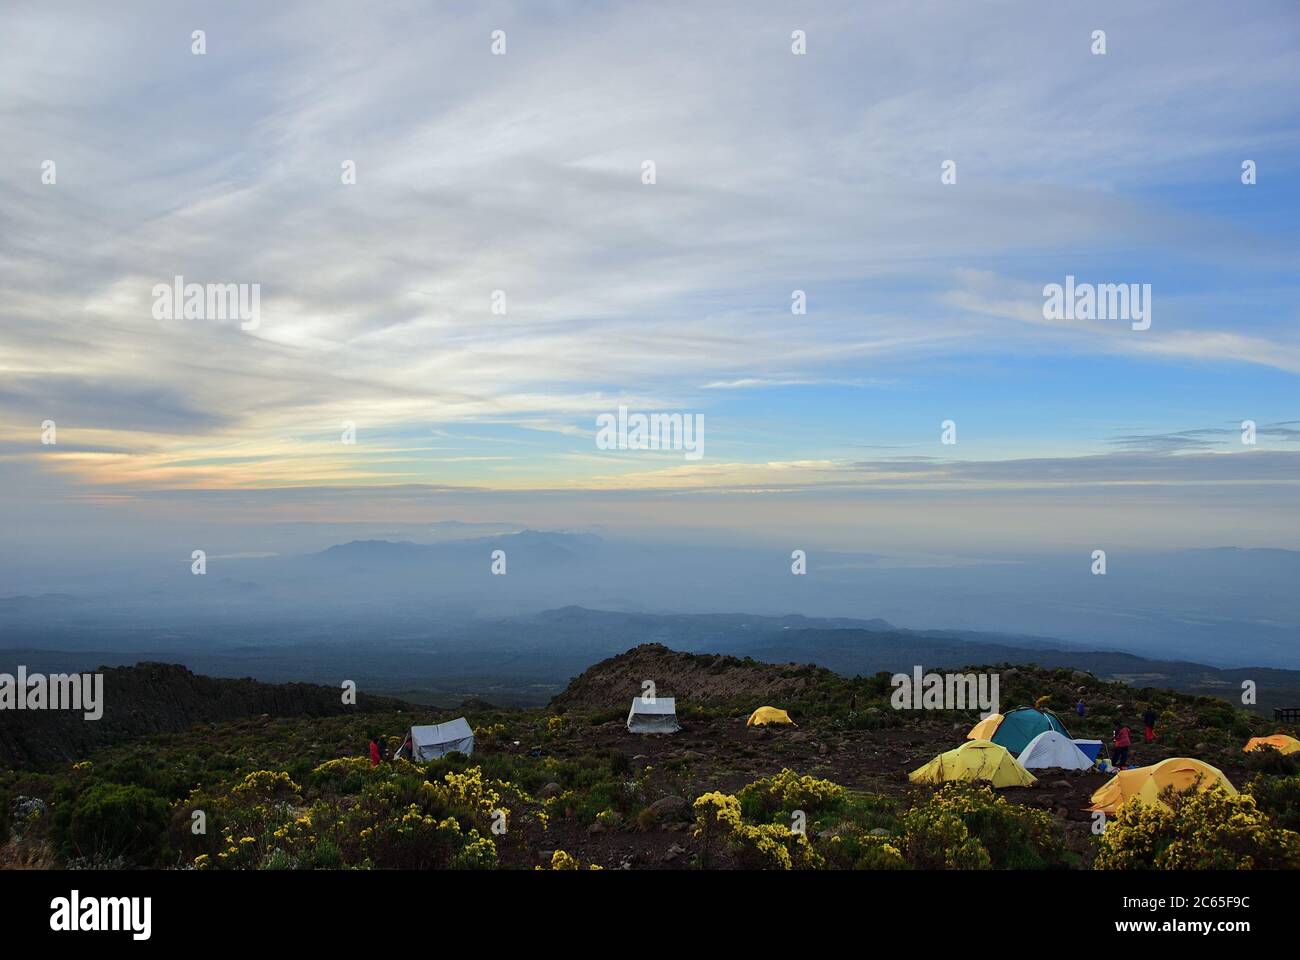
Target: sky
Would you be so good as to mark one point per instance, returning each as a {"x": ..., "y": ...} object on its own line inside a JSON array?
[{"x": 775, "y": 172}]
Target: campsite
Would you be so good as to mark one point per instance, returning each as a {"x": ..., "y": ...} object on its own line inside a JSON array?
[{"x": 581, "y": 783}]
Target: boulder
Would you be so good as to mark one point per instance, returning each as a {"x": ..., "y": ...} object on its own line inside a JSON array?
[{"x": 667, "y": 809}]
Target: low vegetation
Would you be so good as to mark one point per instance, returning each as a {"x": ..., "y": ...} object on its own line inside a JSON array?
[{"x": 568, "y": 788}]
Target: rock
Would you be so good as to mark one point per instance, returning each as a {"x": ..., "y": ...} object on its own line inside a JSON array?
[
  {"x": 1061, "y": 785},
  {"x": 879, "y": 832},
  {"x": 550, "y": 790},
  {"x": 822, "y": 749},
  {"x": 667, "y": 809},
  {"x": 673, "y": 852}
]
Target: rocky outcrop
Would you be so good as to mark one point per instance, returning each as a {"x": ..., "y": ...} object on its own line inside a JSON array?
[{"x": 699, "y": 678}]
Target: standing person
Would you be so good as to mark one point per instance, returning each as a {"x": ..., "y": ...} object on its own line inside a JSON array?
[
  {"x": 1123, "y": 740},
  {"x": 374, "y": 753},
  {"x": 1081, "y": 708},
  {"x": 1149, "y": 721}
]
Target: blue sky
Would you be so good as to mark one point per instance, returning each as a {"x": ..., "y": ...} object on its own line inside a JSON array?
[{"x": 775, "y": 173}]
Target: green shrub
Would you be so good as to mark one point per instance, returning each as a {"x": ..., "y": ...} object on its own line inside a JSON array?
[
  {"x": 1278, "y": 798},
  {"x": 965, "y": 826},
  {"x": 110, "y": 821},
  {"x": 620, "y": 764},
  {"x": 1275, "y": 763}
]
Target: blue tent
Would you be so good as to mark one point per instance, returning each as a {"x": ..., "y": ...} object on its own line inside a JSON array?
[
  {"x": 1020, "y": 726},
  {"x": 1091, "y": 748}
]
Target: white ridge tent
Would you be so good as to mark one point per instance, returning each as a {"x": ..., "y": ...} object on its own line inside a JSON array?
[
  {"x": 439, "y": 739},
  {"x": 653, "y": 716},
  {"x": 1052, "y": 749}
]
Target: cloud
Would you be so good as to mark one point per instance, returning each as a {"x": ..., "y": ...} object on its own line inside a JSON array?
[{"x": 522, "y": 173}]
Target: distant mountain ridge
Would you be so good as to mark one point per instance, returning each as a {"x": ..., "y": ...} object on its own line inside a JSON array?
[
  {"x": 153, "y": 698},
  {"x": 1228, "y": 607}
]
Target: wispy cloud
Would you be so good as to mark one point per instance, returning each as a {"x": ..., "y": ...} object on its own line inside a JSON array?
[{"x": 522, "y": 174}]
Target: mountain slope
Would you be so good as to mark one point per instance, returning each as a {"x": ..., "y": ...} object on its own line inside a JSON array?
[
  {"x": 698, "y": 677},
  {"x": 151, "y": 698}
]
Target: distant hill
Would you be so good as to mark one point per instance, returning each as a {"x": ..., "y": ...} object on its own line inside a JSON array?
[
  {"x": 698, "y": 677},
  {"x": 151, "y": 698},
  {"x": 851, "y": 652}
]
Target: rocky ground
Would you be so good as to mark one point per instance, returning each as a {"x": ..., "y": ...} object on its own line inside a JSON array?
[{"x": 724, "y": 754}]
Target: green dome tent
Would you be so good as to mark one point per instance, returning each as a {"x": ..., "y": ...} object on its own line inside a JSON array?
[{"x": 1020, "y": 726}]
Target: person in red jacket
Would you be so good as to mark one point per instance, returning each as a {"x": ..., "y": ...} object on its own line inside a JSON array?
[
  {"x": 1123, "y": 740},
  {"x": 374, "y": 753}
]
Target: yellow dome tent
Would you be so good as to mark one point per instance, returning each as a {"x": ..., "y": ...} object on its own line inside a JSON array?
[
  {"x": 985, "y": 729},
  {"x": 766, "y": 715},
  {"x": 975, "y": 760},
  {"x": 1278, "y": 741},
  {"x": 1145, "y": 783}
]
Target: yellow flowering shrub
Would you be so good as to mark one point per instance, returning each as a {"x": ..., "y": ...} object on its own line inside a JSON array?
[
  {"x": 1196, "y": 831},
  {"x": 787, "y": 791},
  {"x": 345, "y": 774},
  {"x": 879, "y": 853},
  {"x": 937, "y": 839},
  {"x": 964, "y": 826},
  {"x": 769, "y": 845},
  {"x": 265, "y": 785},
  {"x": 563, "y": 861},
  {"x": 469, "y": 790}
]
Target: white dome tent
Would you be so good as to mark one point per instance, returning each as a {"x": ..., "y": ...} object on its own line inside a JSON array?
[{"x": 1053, "y": 750}]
